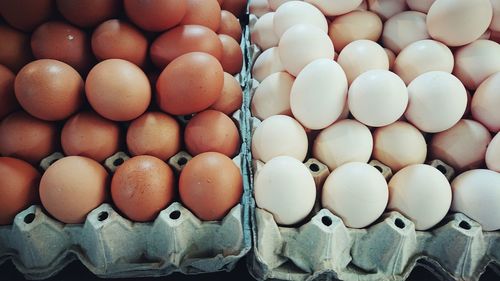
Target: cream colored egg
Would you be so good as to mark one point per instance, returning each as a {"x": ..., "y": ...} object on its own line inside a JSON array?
[
  {"x": 263, "y": 34},
  {"x": 354, "y": 26},
  {"x": 298, "y": 12},
  {"x": 356, "y": 192},
  {"x": 485, "y": 106},
  {"x": 377, "y": 98},
  {"x": 335, "y": 7},
  {"x": 399, "y": 145},
  {"x": 259, "y": 7},
  {"x": 360, "y": 56},
  {"x": 421, "y": 193},
  {"x": 463, "y": 146},
  {"x": 279, "y": 135},
  {"x": 387, "y": 8},
  {"x": 437, "y": 101},
  {"x": 302, "y": 44},
  {"x": 403, "y": 29},
  {"x": 272, "y": 97},
  {"x": 275, "y": 4},
  {"x": 458, "y": 22},
  {"x": 423, "y": 56},
  {"x": 476, "y": 194},
  {"x": 420, "y": 5},
  {"x": 493, "y": 154},
  {"x": 476, "y": 62},
  {"x": 319, "y": 94},
  {"x": 495, "y": 21},
  {"x": 391, "y": 57},
  {"x": 343, "y": 142},
  {"x": 267, "y": 63}
]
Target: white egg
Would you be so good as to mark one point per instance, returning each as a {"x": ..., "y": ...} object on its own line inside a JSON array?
[
  {"x": 335, "y": 7},
  {"x": 267, "y": 63},
  {"x": 420, "y": 5},
  {"x": 272, "y": 97},
  {"x": 485, "y": 103},
  {"x": 387, "y": 8},
  {"x": 493, "y": 154},
  {"x": 298, "y": 12},
  {"x": 495, "y": 21},
  {"x": 403, "y": 29},
  {"x": 259, "y": 7},
  {"x": 263, "y": 34}
]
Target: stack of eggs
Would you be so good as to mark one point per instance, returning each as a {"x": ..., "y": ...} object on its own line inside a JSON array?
[
  {"x": 400, "y": 82},
  {"x": 91, "y": 78}
]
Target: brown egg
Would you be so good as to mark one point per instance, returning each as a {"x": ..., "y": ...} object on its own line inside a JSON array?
[
  {"x": 184, "y": 39},
  {"x": 88, "y": 134},
  {"x": 232, "y": 55},
  {"x": 72, "y": 187},
  {"x": 190, "y": 83},
  {"x": 118, "y": 90},
  {"x": 210, "y": 185},
  {"x": 142, "y": 187},
  {"x": 202, "y": 12},
  {"x": 26, "y": 14},
  {"x": 18, "y": 186},
  {"x": 237, "y": 7},
  {"x": 27, "y": 138},
  {"x": 156, "y": 134},
  {"x": 156, "y": 15},
  {"x": 15, "y": 50},
  {"x": 115, "y": 39},
  {"x": 49, "y": 89},
  {"x": 63, "y": 42},
  {"x": 214, "y": 131},
  {"x": 231, "y": 96},
  {"x": 87, "y": 13},
  {"x": 8, "y": 100},
  {"x": 229, "y": 25}
]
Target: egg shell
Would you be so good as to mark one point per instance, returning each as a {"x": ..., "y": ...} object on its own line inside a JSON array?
[
  {"x": 263, "y": 33},
  {"x": 319, "y": 94},
  {"x": 18, "y": 186},
  {"x": 283, "y": 182},
  {"x": 421, "y": 193},
  {"x": 25, "y": 137},
  {"x": 495, "y": 21},
  {"x": 229, "y": 25},
  {"x": 72, "y": 187},
  {"x": 420, "y": 5},
  {"x": 232, "y": 55},
  {"x": 259, "y": 8},
  {"x": 267, "y": 63},
  {"x": 9, "y": 102},
  {"x": 335, "y": 8},
  {"x": 476, "y": 194},
  {"x": 387, "y": 8},
  {"x": 357, "y": 193},
  {"x": 391, "y": 57},
  {"x": 182, "y": 40},
  {"x": 279, "y": 135},
  {"x": 445, "y": 20},
  {"x": 203, "y": 12},
  {"x": 403, "y": 29},
  {"x": 151, "y": 15},
  {"x": 26, "y": 14},
  {"x": 142, "y": 186},
  {"x": 15, "y": 50},
  {"x": 275, "y": 4},
  {"x": 88, "y": 13},
  {"x": 493, "y": 154},
  {"x": 298, "y": 12},
  {"x": 210, "y": 185},
  {"x": 343, "y": 142},
  {"x": 231, "y": 96},
  {"x": 190, "y": 83},
  {"x": 272, "y": 96}
]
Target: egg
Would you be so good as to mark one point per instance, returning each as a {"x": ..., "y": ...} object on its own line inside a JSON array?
[
  {"x": 319, "y": 94},
  {"x": 275, "y": 4},
  {"x": 25, "y": 137},
  {"x": 214, "y": 131},
  {"x": 15, "y": 50},
  {"x": 463, "y": 146},
  {"x": 357, "y": 193},
  {"x": 63, "y": 42},
  {"x": 298, "y": 12},
  {"x": 354, "y": 26},
  {"x": 263, "y": 33},
  {"x": 118, "y": 90},
  {"x": 403, "y": 29},
  {"x": 445, "y": 20},
  {"x": 420, "y": 5},
  {"x": 302, "y": 44},
  {"x": 26, "y": 14},
  {"x": 335, "y": 8},
  {"x": 475, "y": 62},
  {"x": 231, "y": 96},
  {"x": 88, "y": 134},
  {"x": 203, "y": 12},
  {"x": 85, "y": 13},
  {"x": 495, "y": 21},
  {"x": 476, "y": 194},
  {"x": 492, "y": 156},
  {"x": 272, "y": 97},
  {"x": 49, "y": 89},
  {"x": 437, "y": 101},
  {"x": 230, "y": 25},
  {"x": 343, "y": 142},
  {"x": 115, "y": 39},
  {"x": 232, "y": 55},
  {"x": 386, "y": 8},
  {"x": 279, "y": 135},
  {"x": 267, "y": 63},
  {"x": 423, "y": 56},
  {"x": 190, "y": 83},
  {"x": 259, "y": 8},
  {"x": 182, "y": 40},
  {"x": 9, "y": 102},
  {"x": 236, "y": 7},
  {"x": 157, "y": 15},
  {"x": 360, "y": 56},
  {"x": 154, "y": 133},
  {"x": 392, "y": 58},
  {"x": 141, "y": 187},
  {"x": 18, "y": 186},
  {"x": 421, "y": 193},
  {"x": 377, "y": 98},
  {"x": 281, "y": 183},
  {"x": 210, "y": 185}
]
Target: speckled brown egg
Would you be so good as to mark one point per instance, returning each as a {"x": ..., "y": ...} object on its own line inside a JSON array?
[
  {"x": 232, "y": 55},
  {"x": 202, "y": 12},
  {"x": 49, "y": 89},
  {"x": 8, "y": 100},
  {"x": 18, "y": 186},
  {"x": 87, "y": 13},
  {"x": 26, "y": 14},
  {"x": 210, "y": 185},
  {"x": 156, "y": 15},
  {"x": 229, "y": 25},
  {"x": 231, "y": 96},
  {"x": 15, "y": 50}
]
